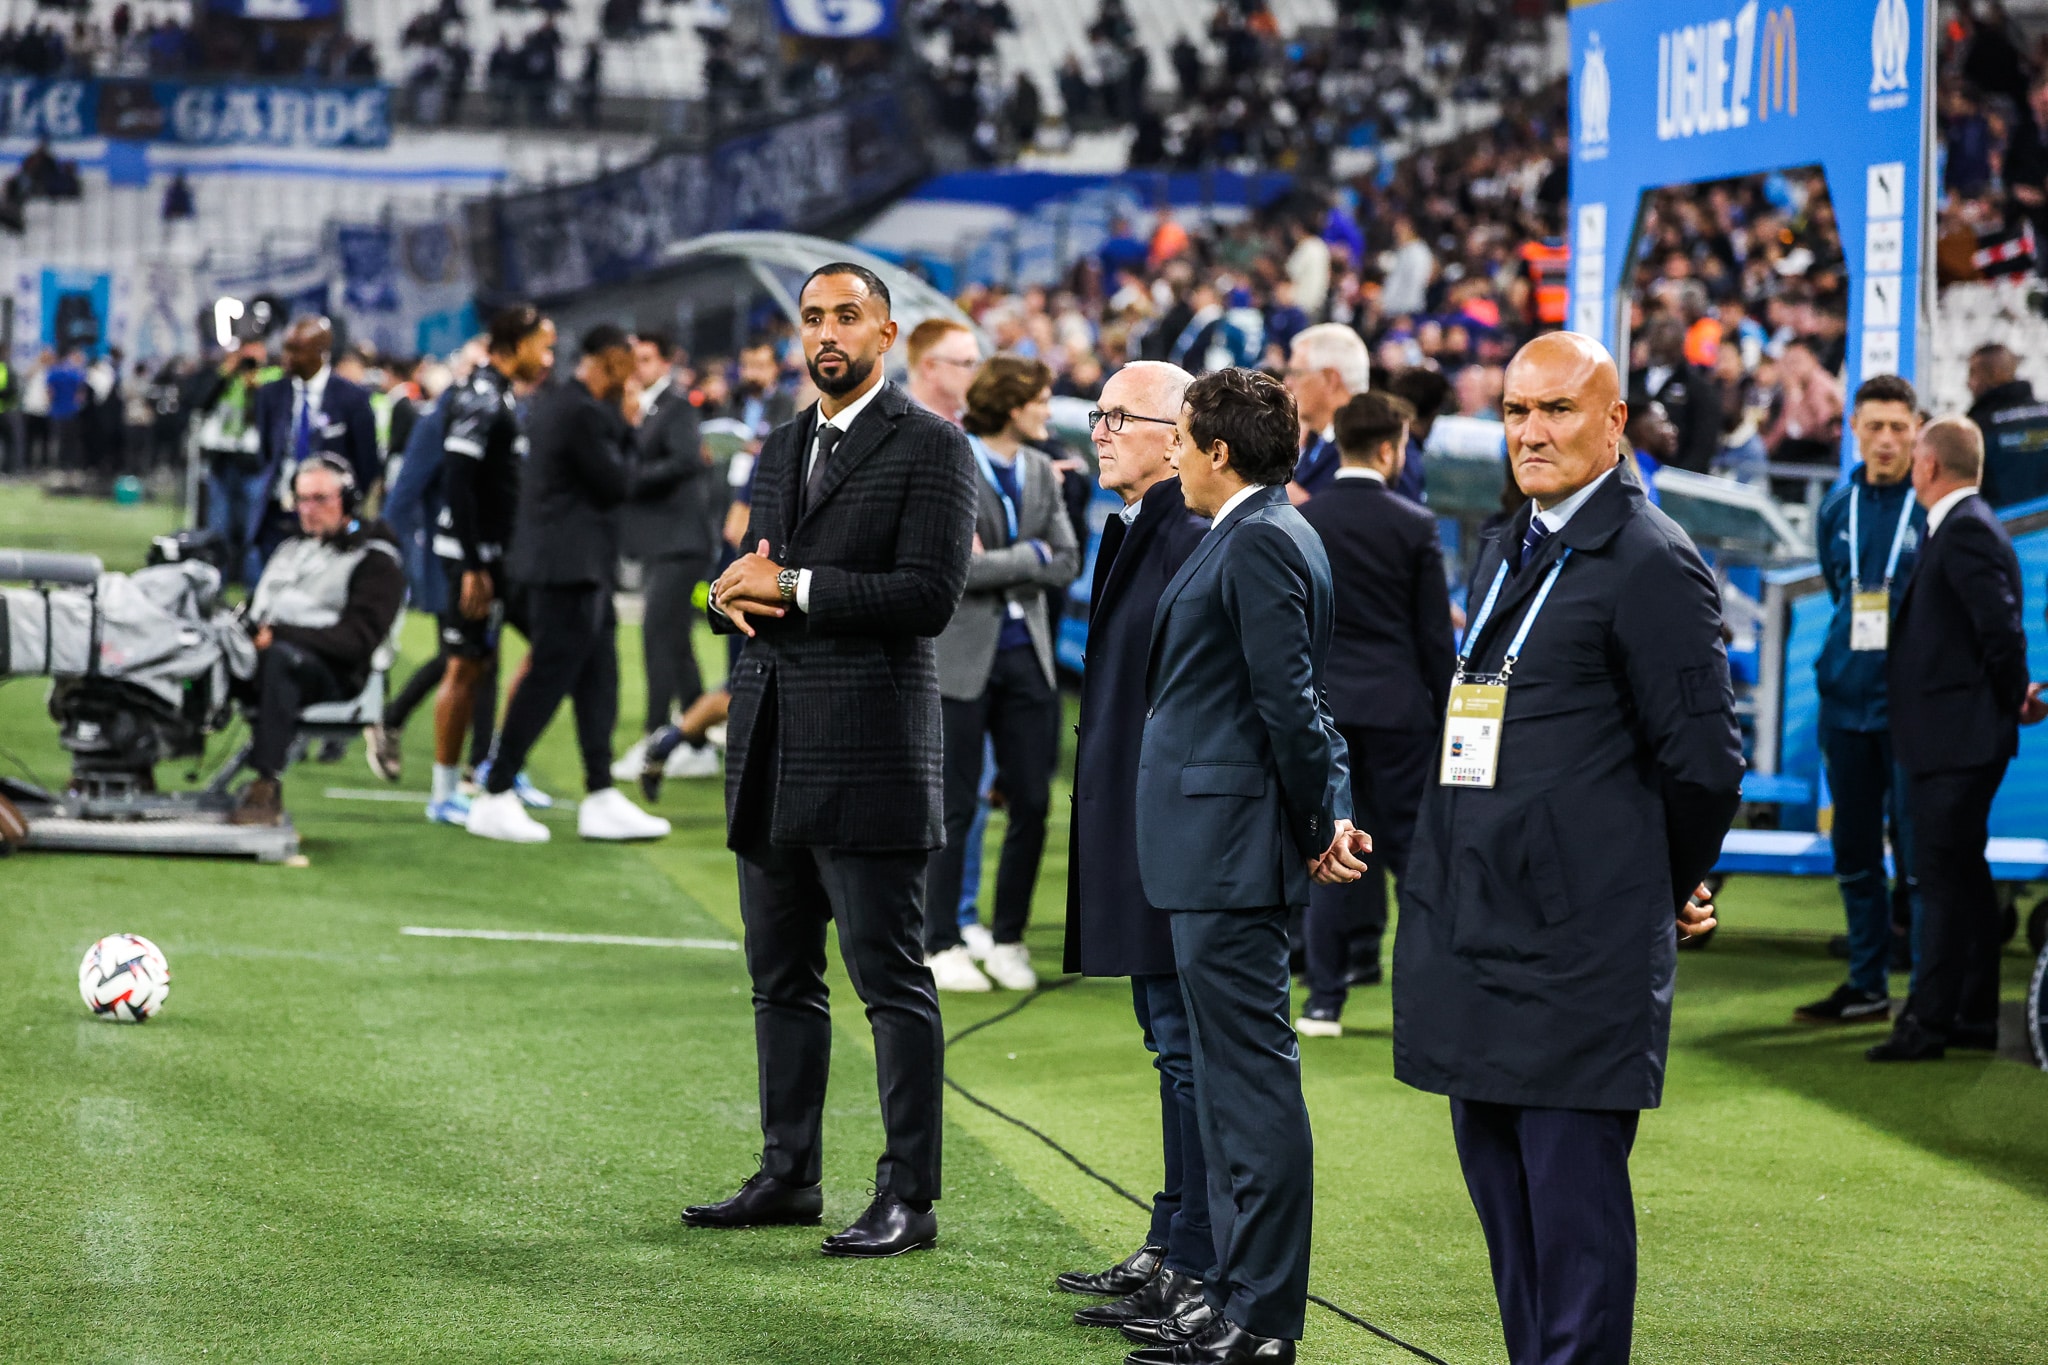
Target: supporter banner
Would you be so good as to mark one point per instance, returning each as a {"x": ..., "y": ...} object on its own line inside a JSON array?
[
  {"x": 196, "y": 114},
  {"x": 800, "y": 175},
  {"x": 1668, "y": 92},
  {"x": 404, "y": 285},
  {"x": 276, "y": 9},
  {"x": 837, "y": 18}
]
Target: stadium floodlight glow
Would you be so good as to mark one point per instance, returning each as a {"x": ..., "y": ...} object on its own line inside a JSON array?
[{"x": 225, "y": 313}]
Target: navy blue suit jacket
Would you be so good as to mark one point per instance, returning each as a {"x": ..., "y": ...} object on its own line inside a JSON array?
[
  {"x": 1241, "y": 773},
  {"x": 1958, "y": 661},
  {"x": 1112, "y": 930},
  {"x": 346, "y": 428}
]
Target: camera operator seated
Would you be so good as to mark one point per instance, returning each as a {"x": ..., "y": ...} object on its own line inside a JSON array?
[{"x": 325, "y": 604}]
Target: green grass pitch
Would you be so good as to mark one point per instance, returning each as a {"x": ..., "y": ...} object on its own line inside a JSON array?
[{"x": 343, "y": 1144}]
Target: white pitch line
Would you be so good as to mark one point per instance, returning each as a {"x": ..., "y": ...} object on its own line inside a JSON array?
[
  {"x": 541, "y": 936},
  {"x": 370, "y": 794}
]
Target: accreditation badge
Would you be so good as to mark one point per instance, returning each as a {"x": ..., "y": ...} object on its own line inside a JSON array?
[
  {"x": 1870, "y": 621},
  {"x": 1472, "y": 726}
]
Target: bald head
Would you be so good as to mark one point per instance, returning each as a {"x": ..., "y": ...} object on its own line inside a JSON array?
[
  {"x": 1142, "y": 400},
  {"x": 1562, "y": 405},
  {"x": 307, "y": 344}
]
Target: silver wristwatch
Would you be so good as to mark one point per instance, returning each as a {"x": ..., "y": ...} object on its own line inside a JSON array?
[{"x": 785, "y": 583}]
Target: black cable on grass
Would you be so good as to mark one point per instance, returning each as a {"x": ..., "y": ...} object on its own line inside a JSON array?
[{"x": 1085, "y": 1169}]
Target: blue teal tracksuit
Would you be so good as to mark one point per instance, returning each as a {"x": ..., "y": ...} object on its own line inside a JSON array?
[{"x": 1868, "y": 784}]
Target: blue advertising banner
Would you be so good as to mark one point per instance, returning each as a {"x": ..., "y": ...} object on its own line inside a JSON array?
[
  {"x": 1670, "y": 92},
  {"x": 197, "y": 114},
  {"x": 837, "y": 18},
  {"x": 75, "y": 304}
]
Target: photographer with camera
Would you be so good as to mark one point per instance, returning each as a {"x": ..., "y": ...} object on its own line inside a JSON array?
[
  {"x": 235, "y": 478},
  {"x": 324, "y": 606}
]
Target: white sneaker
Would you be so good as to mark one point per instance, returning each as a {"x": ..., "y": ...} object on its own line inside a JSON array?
[
  {"x": 691, "y": 760},
  {"x": 1308, "y": 1026},
  {"x": 1009, "y": 965},
  {"x": 503, "y": 817},
  {"x": 628, "y": 765},
  {"x": 978, "y": 940},
  {"x": 714, "y": 735},
  {"x": 609, "y": 815},
  {"x": 954, "y": 970}
]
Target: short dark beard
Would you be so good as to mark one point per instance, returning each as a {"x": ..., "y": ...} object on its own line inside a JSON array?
[{"x": 857, "y": 372}]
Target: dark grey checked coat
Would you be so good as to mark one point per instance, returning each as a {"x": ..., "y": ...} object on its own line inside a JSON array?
[{"x": 851, "y": 687}]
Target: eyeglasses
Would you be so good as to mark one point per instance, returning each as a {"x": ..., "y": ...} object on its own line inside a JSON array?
[{"x": 1113, "y": 420}]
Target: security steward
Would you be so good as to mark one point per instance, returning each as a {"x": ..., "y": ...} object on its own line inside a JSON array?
[
  {"x": 2015, "y": 427},
  {"x": 1868, "y": 534},
  {"x": 1590, "y": 766},
  {"x": 319, "y": 615}
]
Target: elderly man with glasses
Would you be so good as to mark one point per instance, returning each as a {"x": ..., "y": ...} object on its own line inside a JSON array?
[{"x": 1112, "y": 930}]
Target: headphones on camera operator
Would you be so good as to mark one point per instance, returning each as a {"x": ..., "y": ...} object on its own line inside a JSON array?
[{"x": 351, "y": 495}]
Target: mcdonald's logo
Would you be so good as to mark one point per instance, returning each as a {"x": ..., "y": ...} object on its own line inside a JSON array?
[{"x": 1777, "y": 77}]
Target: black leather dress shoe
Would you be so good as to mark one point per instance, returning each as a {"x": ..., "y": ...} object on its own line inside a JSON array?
[
  {"x": 1910, "y": 1042},
  {"x": 1225, "y": 1343},
  {"x": 1160, "y": 1297},
  {"x": 1974, "y": 1037},
  {"x": 1190, "y": 1317},
  {"x": 890, "y": 1227},
  {"x": 763, "y": 1202},
  {"x": 1127, "y": 1276}
]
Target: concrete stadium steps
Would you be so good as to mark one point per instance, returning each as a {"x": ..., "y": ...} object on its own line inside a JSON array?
[
  {"x": 667, "y": 64},
  {"x": 249, "y": 202},
  {"x": 1049, "y": 31}
]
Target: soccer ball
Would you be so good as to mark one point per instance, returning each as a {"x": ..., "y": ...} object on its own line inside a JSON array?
[{"x": 124, "y": 978}]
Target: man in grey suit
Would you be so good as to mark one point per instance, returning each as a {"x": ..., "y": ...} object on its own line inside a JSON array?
[
  {"x": 1244, "y": 799},
  {"x": 995, "y": 668}
]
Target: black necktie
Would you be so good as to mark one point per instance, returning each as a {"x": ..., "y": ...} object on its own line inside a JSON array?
[
  {"x": 1532, "y": 541},
  {"x": 828, "y": 439}
]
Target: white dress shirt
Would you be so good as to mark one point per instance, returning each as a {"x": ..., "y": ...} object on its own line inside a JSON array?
[
  {"x": 1129, "y": 511},
  {"x": 652, "y": 394},
  {"x": 1235, "y": 498},
  {"x": 1939, "y": 512},
  {"x": 309, "y": 396},
  {"x": 843, "y": 423},
  {"x": 1554, "y": 519},
  {"x": 1352, "y": 471}
]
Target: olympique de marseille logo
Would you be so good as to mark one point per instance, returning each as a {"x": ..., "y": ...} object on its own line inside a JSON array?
[
  {"x": 1891, "y": 54},
  {"x": 1596, "y": 98}
]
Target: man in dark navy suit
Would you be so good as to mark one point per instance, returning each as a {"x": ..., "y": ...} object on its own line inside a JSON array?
[
  {"x": 1112, "y": 930},
  {"x": 1390, "y": 678},
  {"x": 1243, "y": 801},
  {"x": 1590, "y": 766},
  {"x": 1957, "y": 680},
  {"x": 309, "y": 411}
]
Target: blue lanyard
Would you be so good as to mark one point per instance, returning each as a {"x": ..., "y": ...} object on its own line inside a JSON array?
[
  {"x": 1500, "y": 576},
  {"x": 1891, "y": 564},
  {"x": 988, "y": 471}
]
